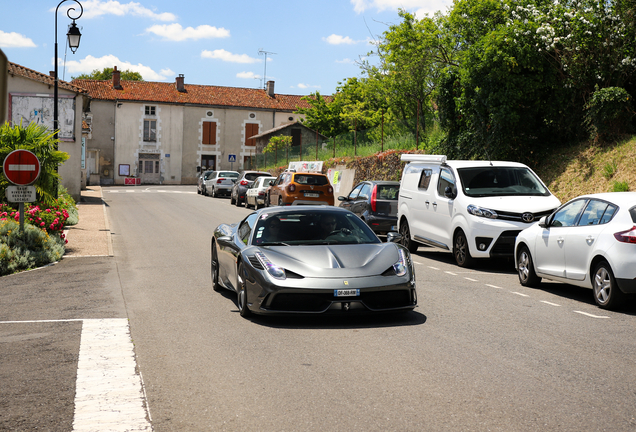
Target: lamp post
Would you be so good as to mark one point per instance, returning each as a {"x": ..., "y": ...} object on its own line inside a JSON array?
[{"x": 74, "y": 36}]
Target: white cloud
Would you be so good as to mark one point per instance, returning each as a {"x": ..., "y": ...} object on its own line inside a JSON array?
[
  {"x": 15, "y": 40},
  {"x": 176, "y": 32},
  {"x": 90, "y": 63},
  {"x": 419, "y": 7},
  {"x": 335, "y": 39},
  {"x": 227, "y": 56},
  {"x": 96, "y": 8},
  {"x": 345, "y": 61},
  {"x": 306, "y": 86},
  {"x": 248, "y": 75}
]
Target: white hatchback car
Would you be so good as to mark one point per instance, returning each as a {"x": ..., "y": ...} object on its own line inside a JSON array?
[
  {"x": 257, "y": 191},
  {"x": 590, "y": 242}
]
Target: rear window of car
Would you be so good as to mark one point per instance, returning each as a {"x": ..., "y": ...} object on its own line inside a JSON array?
[
  {"x": 309, "y": 179},
  {"x": 254, "y": 176},
  {"x": 228, "y": 174},
  {"x": 388, "y": 192}
]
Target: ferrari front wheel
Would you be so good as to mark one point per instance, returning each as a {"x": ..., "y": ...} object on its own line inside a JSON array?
[{"x": 241, "y": 294}]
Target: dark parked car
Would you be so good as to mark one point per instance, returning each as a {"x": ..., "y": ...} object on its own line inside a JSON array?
[
  {"x": 375, "y": 202},
  {"x": 311, "y": 260},
  {"x": 242, "y": 183}
]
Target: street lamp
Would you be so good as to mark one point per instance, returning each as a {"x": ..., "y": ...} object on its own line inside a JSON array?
[{"x": 74, "y": 36}]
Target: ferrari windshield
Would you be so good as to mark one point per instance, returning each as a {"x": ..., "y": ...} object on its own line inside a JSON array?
[
  {"x": 490, "y": 181},
  {"x": 309, "y": 227}
]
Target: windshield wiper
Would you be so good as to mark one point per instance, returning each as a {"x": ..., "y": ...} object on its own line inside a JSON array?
[{"x": 274, "y": 244}]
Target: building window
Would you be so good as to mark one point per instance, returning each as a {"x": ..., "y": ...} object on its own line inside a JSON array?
[
  {"x": 150, "y": 130},
  {"x": 150, "y": 110},
  {"x": 209, "y": 133},
  {"x": 251, "y": 129}
]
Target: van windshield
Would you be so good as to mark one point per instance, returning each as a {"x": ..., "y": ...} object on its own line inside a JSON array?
[{"x": 500, "y": 181}]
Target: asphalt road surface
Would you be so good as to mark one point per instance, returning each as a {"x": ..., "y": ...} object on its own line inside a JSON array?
[{"x": 480, "y": 353}]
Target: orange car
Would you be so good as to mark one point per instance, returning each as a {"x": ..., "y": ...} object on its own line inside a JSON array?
[{"x": 292, "y": 188}]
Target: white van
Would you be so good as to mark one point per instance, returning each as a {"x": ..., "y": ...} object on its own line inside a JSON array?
[{"x": 473, "y": 208}]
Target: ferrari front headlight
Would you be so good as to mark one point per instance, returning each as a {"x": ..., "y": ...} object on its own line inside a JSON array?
[
  {"x": 274, "y": 270},
  {"x": 401, "y": 265}
]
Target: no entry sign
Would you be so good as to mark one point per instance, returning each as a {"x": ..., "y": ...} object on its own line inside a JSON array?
[{"x": 21, "y": 167}]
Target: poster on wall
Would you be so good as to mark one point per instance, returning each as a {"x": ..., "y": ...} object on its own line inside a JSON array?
[{"x": 27, "y": 108}]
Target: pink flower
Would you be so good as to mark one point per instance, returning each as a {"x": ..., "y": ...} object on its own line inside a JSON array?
[{"x": 42, "y": 224}]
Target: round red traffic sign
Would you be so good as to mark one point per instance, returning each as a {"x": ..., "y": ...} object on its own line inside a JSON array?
[{"x": 21, "y": 167}]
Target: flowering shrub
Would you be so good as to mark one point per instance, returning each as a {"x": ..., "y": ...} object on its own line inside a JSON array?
[{"x": 51, "y": 220}]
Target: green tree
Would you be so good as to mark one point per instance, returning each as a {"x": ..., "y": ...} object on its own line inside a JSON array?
[
  {"x": 107, "y": 74},
  {"x": 323, "y": 115},
  {"x": 41, "y": 142},
  {"x": 276, "y": 143}
]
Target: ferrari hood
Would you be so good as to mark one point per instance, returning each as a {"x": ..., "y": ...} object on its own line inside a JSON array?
[{"x": 329, "y": 261}]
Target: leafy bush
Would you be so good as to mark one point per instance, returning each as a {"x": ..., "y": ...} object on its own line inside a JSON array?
[
  {"x": 609, "y": 114},
  {"x": 609, "y": 170},
  {"x": 621, "y": 187},
  {"x": 26, "y": 249}
]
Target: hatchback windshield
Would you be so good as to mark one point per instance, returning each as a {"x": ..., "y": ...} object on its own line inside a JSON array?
[
  {"x": 228, "y": 174},
  {"x": 500, "y": 181},
  {"x": 311, "y": 228}
]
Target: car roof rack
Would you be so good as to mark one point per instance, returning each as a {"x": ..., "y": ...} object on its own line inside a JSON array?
[{"x": 408, "y": 157}]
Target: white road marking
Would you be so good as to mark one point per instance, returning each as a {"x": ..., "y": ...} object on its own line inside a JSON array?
[
  {"x": 434, "y": 268},
  {"x": 108, "y": 393},
  {"x": 550, "y": 303},
  {"x": 472, "y": 280},
  {"x": 493, "y": 286},
  {"x": 450, "y": 273},
  {"x": 521, "y": 294},
  {"x": 418, "y": 263},
  {"x": 590, "y": 315}
]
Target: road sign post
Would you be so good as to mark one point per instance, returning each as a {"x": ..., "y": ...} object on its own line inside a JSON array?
[{"x": 22, "y": 168}]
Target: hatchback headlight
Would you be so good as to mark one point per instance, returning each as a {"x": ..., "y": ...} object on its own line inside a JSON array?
[
  {"x": 481, "y": 212},
  {"x": 401, "y": 265},
  {"x": 274, "y": 270}
]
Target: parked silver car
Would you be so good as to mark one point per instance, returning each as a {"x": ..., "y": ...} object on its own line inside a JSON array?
[
  {"x": 257, "y": 191},
  {"x": 220, "y": 183}
]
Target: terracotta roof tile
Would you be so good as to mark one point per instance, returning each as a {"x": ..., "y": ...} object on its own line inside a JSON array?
[
  {"x": 16, "y": 69},
  {"x": 161, "y": 92}
]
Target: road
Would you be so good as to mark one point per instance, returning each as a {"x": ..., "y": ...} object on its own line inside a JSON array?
[{"x": 480, "y": 353}]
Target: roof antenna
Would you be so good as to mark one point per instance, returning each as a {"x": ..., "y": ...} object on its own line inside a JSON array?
[{"x": 261, "y": 51}]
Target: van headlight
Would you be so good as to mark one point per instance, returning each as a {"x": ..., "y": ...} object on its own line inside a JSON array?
[{"x": 481, "y": 212}]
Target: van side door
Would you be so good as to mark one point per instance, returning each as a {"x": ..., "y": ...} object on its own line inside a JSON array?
[{"x": 440, "y": 209}]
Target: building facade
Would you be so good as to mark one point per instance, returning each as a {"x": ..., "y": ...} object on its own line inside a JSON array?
[
  {"x": 30, "y": 100},
  {"x": 165, "y": 133}
]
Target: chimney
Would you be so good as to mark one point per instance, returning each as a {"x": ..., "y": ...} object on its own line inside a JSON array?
[
  {"x": 117, "y": 79},
  {"x": 270, "y": 88},
  {"x": 180, "y": 83},
  {"x": 52, "y": 74}
]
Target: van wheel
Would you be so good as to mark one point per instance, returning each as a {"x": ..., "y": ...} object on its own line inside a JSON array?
[
  {"x": 461, "y": 251},
  {"x": 607, "y": 294},
  {"x": 406, "y": 241}
]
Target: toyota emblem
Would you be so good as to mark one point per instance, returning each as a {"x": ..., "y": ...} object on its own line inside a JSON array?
[{"x": 527, "y": 217}]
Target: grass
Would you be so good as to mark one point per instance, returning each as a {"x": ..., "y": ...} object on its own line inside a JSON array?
[{"x": 590, "y": 168}]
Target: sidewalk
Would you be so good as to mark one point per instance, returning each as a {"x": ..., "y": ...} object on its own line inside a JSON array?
[{"x": 91, "y": 236}]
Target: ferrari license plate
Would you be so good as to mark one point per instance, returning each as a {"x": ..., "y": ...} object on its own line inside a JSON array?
[
  {"x": 311, "y": 195},
  {"x": 346, "y": 292}
]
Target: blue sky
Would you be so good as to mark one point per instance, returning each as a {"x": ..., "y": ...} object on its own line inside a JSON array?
[{"x": 311, "y": 44}]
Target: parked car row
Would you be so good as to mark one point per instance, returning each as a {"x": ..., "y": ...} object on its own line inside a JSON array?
[{"x": 482, "y": 209}]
